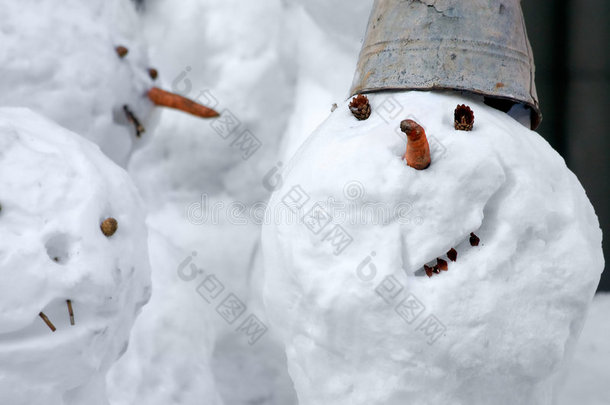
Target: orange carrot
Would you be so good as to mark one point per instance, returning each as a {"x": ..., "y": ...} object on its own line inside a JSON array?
[
  {"x": 166, "y": 99},
  {"x": 418, "y": 150}
]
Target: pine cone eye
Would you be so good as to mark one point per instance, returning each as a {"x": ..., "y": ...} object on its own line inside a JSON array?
[
  {"x": 463, "y": 118},
  {"x": 360, "y": 107}
]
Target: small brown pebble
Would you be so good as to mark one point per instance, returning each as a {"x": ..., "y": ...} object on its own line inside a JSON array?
[
  {"x": 109, "y": 226},
  {"x": 463, "y": 118},
  {"x": 153, "y": 73},
  {"x": 442, "y": 264},
  {"x": 360, "y": 107},
  {"x": 452, "y": 255},
  {"x": 474, "y": 239},
  {"x": 428, "y": 270},
  {"x": 121, "y": 51}
]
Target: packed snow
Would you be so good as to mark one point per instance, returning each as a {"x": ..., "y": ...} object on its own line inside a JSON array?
[
  {"x": 60, "y": 61},
  {"x": 56, "y": 188},
  {"x": 587, "y": 380},
  {"x": 353, "y": 225},
  {"x": 213, "y": 52}
]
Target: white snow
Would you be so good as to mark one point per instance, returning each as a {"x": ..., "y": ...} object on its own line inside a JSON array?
[
  {"x": 60, "y": 61},
  {"x": 327, "y": 38},
  {"x": 229, "y": 55},
  {"x": 55, "y": 190},
  {"x": 496, "y": 328},
  {"x": 588, "y": 379}
]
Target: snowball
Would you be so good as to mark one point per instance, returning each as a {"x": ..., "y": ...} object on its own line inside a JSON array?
[
  {"x": 56, "y": 188},
  {"x": 60, "y": 61},
  {"x": 344, "y": 283}
]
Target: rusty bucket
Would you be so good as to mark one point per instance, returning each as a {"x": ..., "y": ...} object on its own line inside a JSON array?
[{"x": 478, "y": 46}]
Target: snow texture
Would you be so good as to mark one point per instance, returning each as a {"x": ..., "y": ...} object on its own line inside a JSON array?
[
  {"x": 328, "y": 38},
  {"x": 60, "y": 61},
  {"x": 55, "y": 190},
  {"x": 253, "y": 64},
  {"x": 588, "y": 380},
  {"x": 228, "y": 55},
  {"x": 343, "y": 282}
]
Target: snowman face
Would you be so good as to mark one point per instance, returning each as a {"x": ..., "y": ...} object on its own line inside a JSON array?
[
  {"x": 55, "y": 191},
  {"x": 62, "y": 62},
  {"x": 361, "y": 321}
]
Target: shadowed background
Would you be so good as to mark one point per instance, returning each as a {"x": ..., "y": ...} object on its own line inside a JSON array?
[{"x": 570, "y": 41}]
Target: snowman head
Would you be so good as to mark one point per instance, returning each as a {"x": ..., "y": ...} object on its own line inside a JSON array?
[
  {"x": 85, "y": 66},
  {"x": 471, "y": 288},
  {"x": 72, "y": 280}
]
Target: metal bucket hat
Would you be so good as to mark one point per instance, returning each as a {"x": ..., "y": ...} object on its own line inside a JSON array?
[{"x": 479, "y": 46}]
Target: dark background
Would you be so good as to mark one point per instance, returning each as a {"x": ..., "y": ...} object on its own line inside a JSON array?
[{"x": 571, "y": 43}]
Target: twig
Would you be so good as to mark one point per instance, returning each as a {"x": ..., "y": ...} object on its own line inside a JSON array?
[
  {"x": 46, "y": 320},
  {"x": 70, "y": 311},
  {"x": 134, "y": 120}
]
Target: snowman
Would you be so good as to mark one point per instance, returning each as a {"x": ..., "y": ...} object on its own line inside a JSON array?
[
  {"x": 83, "y": 65},
  {"x": 73, "y": 263},
  {"x": 427, "y": 247}
]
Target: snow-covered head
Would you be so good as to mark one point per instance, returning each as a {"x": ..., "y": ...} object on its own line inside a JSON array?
[
  {"x": 353, "y": 226},
  {"x": 56, "y": 188},
  {"x": 59, "y": 59}
]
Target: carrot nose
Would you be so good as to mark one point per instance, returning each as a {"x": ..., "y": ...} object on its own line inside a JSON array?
[
  {"x": 418, "y": 150},
  {"x": 164, "y": 98}
]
